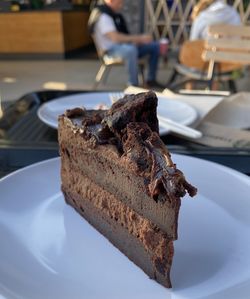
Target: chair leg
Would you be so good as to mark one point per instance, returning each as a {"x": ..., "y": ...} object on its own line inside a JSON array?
[
  {"x": 172, "y": 77},
  {"x": 141, "y": 69},
  {"x": 209, "y": 84},
  {"x": 105, "y": 76},
  {"x": 232, "y": 86},
  {"x": 99, "y": 75}
]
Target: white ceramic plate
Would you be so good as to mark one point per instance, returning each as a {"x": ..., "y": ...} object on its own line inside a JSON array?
[
  {"x": 48, "y": 251},
  {"x": 49, "y": 111}
]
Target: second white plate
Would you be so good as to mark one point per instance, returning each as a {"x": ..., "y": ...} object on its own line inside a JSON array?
[{"x": 49, "y": 111}]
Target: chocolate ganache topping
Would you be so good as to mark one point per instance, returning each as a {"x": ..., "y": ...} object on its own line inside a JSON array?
[
  {"x": 132, "y": 108},
  {"x": 148, "y": 155},
  {"x": 131, "y": 125}
]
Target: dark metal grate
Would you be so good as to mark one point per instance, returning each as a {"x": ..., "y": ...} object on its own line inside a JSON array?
[{"x": 30, "y": 128}]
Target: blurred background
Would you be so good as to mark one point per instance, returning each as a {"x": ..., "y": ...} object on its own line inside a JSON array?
[{"x": 45, "y": 44}]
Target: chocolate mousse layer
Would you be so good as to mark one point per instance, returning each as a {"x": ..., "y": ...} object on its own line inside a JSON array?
[{"x": 139, "y": 239}]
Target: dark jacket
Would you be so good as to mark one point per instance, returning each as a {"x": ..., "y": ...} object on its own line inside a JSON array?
[{"x": 99, "y": 9}]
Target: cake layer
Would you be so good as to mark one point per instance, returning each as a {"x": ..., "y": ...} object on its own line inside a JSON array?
[
  {"x": 112, "y": 172},
  {"x": 117, "y": 173},
  {"x": 139, "y": 239}
]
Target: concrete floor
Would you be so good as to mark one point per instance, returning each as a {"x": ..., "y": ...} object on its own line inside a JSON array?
[{"x": 20, "y": 77}]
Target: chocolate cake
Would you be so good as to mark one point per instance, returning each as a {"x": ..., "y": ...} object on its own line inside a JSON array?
[{"x": 117, "y": 173}]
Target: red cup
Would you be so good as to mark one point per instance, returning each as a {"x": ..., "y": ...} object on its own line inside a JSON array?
[{"x": 163, "y": 46}]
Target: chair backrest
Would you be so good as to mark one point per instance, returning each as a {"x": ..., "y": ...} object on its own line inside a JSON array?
[
  {"x": 99, "y": 51},
  {"x": 227, "y": 44},
  {"x": 190, "y": 54}
]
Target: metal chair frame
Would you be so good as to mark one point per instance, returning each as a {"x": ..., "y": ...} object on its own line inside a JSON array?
[
  {"x": 108, "y": 61},
  {"x": 193, "y": 67}
]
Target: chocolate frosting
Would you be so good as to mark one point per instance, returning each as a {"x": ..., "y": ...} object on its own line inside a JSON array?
[
  {"x": 149, "y": 156},
  {"x": 132, "y": 108},
  {"x": 131, "y": 125}
]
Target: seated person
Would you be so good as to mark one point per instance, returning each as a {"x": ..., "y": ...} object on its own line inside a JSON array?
[
  {"x": 210, "y": 12},
  {"x": 112, "y": 36}
]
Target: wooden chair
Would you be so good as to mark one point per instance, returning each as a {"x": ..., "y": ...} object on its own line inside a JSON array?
[
  {"x": 108, "y": 61},
  {"x": 204, "y": 60},
  {"x": 227, "y": 45},
  {"x": 190, "y": 66}
]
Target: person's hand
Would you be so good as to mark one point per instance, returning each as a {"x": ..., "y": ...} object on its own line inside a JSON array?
[
  {"x": 145, "y": 39},
  {"x": 142, "y": 39}
]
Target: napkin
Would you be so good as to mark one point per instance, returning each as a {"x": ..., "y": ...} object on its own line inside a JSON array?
[
  {"x": 222, "y": 136},
  {"x": 233, "y": 112},
  {"x": 224, "y": 125},
  {"x": 203, "y": 104}
]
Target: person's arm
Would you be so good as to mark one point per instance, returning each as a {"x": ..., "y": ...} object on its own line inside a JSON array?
[
  {"x": 193, "y": 33},
  {"x": 197, "y": 29},
  {"x": 118, "y": 37},
  {"x": 107, "y": 28}
]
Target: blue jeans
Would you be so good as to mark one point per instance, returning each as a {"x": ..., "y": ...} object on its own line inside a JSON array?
[{"x": 130, "y": 53}]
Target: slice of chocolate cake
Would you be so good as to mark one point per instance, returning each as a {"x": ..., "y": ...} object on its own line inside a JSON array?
[{"x": 119, "y": 176}]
